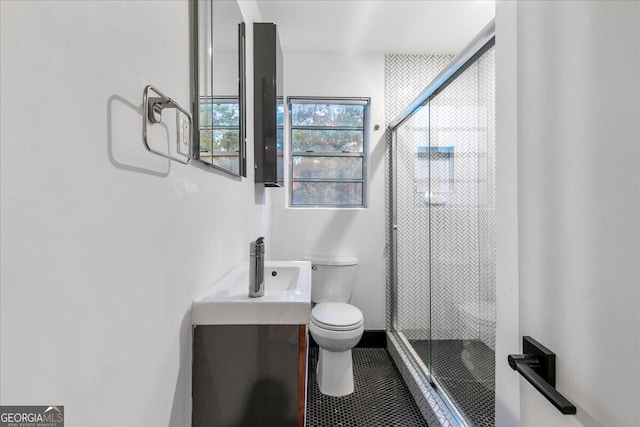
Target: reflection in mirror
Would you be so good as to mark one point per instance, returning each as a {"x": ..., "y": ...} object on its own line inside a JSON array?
[
  {"x": 280, "y": 140},
  {"x": 220, "y": 84}
]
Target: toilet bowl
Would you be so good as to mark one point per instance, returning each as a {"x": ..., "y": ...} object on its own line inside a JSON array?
[
  {"x": 335, "y": 325},
  {"x": 337, "y": 328}
]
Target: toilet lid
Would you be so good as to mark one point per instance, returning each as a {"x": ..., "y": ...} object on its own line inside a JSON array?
[{"x": 332, "y": 315}]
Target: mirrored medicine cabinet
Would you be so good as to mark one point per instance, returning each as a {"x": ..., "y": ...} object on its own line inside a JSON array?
[
  {"x": 218, "y": 85},
  {"x": 268, "y": 85}
]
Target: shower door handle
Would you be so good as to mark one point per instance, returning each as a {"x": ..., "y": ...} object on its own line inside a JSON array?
[{"x": 538, "y": 366}]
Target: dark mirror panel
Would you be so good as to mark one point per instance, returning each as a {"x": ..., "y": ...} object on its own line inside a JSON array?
[
  {"x": 268, "y": 95},
  {"x": 219, "y": 85}
]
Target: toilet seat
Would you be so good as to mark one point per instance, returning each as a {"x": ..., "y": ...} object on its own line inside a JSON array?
[{"x": 336, "y": 316}]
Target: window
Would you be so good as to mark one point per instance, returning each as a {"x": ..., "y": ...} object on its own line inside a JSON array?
[{"x": 328, "y": 152}]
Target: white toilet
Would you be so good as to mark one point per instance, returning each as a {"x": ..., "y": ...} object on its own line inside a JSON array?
[{"x": 334, "y": 324}]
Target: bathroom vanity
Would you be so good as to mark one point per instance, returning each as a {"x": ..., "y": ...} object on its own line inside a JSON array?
[
  {"x": 249, "y": 375},
  {"x": 250, "y": 354}
]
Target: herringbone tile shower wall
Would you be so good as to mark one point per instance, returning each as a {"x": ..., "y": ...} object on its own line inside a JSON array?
[
  {"x": 487, "y": 202},
  {"x": 405, "y": 77},
  {"x": 452, "y": 270}
]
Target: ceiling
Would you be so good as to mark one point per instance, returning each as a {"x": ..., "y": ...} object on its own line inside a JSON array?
[{"x": 377, "y": 26}]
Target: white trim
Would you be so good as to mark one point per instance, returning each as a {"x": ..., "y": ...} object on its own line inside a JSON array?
[
  {"x": 327, "y": 100},
  {"x": 507, "y": 293}
]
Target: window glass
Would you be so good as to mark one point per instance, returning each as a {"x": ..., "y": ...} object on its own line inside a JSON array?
[
  {"x": 327, "y": 140},
  {"x": 327, "y": 115},
  {"x": 327, "y": 193},
  {"x": 327, "y": 167}
]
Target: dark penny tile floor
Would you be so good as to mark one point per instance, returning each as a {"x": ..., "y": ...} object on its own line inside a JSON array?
[
  {"x": 380, "y": 398},
  {"x": 465, "y": 369}
]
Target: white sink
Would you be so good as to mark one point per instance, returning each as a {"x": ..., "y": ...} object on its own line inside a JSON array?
[{"x": 286, "y": 300}]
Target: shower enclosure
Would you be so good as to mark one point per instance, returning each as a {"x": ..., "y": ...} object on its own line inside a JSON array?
[{"x": 442, "y": 224}]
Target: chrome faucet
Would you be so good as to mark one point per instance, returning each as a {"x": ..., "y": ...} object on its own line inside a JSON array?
[{"x": 256, "y": 268}]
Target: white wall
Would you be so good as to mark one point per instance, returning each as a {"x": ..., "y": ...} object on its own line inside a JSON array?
[
  {"x": 297, "y": 233},
  {"x": 578, "y": 126},
  {"x": 103, "y": 244}
]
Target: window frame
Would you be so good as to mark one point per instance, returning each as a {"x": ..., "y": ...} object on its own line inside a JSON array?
[{"x": 364, "y": 154}]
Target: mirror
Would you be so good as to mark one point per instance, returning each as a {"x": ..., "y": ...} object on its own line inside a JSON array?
[{"x": 218, "y": 85}]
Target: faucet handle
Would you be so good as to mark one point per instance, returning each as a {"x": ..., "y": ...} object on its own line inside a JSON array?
[{"x": 257, "y": 247}]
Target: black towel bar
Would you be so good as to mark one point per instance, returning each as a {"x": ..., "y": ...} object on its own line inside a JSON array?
[{"x": 538, "y": 366}]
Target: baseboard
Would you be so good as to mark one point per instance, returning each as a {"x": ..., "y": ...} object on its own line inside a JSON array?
[{"x": 370, "y": 339}]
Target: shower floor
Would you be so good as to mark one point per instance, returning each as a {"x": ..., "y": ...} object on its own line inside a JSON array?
[{"x": 465, "y": 369}]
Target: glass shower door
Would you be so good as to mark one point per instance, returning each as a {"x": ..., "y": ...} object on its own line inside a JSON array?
[
  {"x": 444, "y": 184},
  {"x": 461, "y": 359}
]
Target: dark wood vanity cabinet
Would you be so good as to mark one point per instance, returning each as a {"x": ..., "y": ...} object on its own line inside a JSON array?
[{"x": 249, "y": 375}]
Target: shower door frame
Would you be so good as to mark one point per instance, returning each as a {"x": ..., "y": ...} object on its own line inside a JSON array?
[{"x": 484, "y": 41}]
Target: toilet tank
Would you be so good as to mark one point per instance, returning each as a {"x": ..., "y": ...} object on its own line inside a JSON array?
[{"x": 332, "y": 278}]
